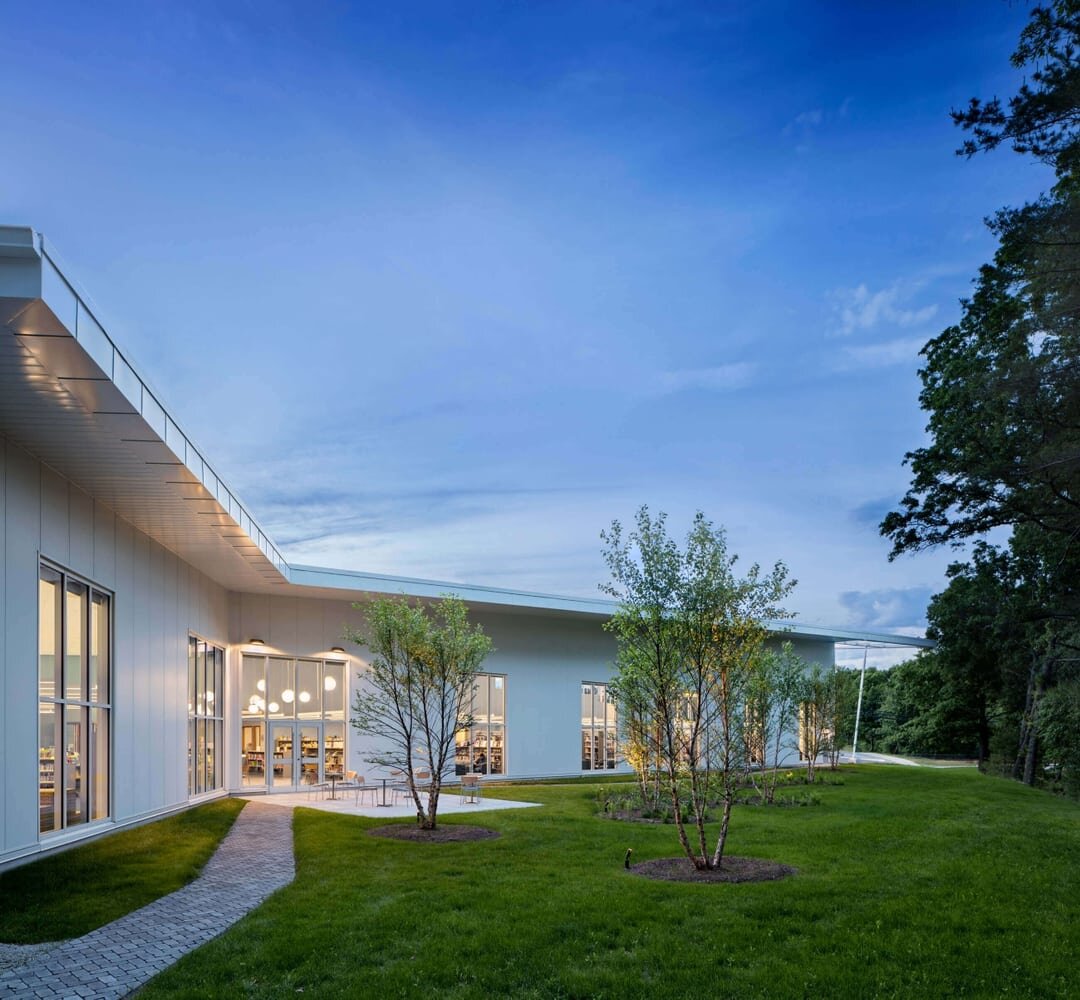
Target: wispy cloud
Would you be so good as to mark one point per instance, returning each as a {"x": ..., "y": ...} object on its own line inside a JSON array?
[
  {"x": 859, "y": 309},
  {"x": 901, "y": 609},
  {"x": 721, "y": 378},
  {"x": 892, "y": 352}
]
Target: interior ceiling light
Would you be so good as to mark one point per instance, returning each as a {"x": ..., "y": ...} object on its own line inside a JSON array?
[{"x": 329, "y": 683}]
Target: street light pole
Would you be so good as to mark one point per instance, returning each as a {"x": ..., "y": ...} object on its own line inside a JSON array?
[{"x": 858, "y": 710}]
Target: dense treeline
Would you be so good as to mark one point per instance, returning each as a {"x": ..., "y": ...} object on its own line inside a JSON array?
[{"x": 1002, "y": 390}]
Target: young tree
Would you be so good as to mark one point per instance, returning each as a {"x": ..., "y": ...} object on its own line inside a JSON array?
[
  {"x": 639, "y": 728},
  {"x": 689, "y": 633},
  {"x": 771, "y": 708},
  {"x": 817, "y": 715},
  {"x": 418, "y": 690}
]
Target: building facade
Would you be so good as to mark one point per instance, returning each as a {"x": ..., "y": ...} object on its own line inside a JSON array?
[{"x": 157, "y": 649}]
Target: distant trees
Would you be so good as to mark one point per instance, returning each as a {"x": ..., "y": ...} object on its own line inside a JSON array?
[
  {"x": 1002, "y": 392},
  {"x": 419, "y": 688},
  {"x": 690, "y": 635}
]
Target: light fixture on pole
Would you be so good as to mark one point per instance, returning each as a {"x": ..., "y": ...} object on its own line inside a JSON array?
[{"x": 858, "y": 710}]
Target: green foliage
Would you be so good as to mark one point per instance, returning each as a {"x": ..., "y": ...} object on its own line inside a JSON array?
[
  {"x": 1043, "y": 117},
  {"x": 71, "y": 893},
  {"x": 690, "y": 635},
  {"x": 418, "y": 689},
  {"x": 1002, "y": 391},
  {"x": 772, "y": 700},
  {"x": 915, "y": 883}
]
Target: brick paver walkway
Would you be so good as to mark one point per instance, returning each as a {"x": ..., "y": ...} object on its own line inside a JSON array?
[{"x": 253, "y": 861}]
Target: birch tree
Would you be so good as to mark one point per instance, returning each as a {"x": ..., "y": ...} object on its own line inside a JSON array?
[
  {"x": 689, "y": 631},
  {"x": 418, "y": 690}
]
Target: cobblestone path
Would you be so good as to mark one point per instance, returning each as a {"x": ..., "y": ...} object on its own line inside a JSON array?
[{"x": 254, "y": 860}]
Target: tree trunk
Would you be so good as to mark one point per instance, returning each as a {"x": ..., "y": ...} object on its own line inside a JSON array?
[
  {"x": 1025, "y": 750},
  {"x": 721, "y": 841},
  {"x": 984, "y": 733}
]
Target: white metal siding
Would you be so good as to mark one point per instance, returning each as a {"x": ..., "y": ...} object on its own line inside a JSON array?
[{"x": 157, "y": 599}]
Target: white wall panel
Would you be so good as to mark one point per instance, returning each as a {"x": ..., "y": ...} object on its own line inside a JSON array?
[
  {"x": 80, "y": 531},
  {"x": 104, "y": 546},
  {"x": 19, "y": 747},
  {"x": 54, "y": 517},
  {"x": 157, "y": 599}
]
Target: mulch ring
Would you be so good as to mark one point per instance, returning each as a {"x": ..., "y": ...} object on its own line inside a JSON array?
[
  {"x": 440, "y": 835},
  {"x": 731, "y": 870}
]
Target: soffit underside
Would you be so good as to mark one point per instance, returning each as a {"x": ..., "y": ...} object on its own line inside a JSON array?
[{"x": 58, "y": 406}]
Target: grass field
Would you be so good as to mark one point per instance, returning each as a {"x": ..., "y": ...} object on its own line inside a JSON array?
[
  {"x": 71, "y": 893},
  {"x": 912, "y": 882}
]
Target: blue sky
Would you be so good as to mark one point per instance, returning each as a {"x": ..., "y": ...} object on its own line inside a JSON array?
[{"x": 441, "y": 289}]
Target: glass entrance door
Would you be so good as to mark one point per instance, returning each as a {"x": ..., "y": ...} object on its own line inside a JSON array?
[
  {"x": 283, "y": 750},
  {"x": 295, "y": 754},
  {"x": 309, "y": 754}
]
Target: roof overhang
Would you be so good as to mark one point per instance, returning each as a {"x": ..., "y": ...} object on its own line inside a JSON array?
[
  {"x": 346, "y": 584},
  {"x": 70, "y": 398}
]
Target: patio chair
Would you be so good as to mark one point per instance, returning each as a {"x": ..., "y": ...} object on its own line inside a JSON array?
[
  {"x": 400, "y": 786},
  {"x": 471, "y": 790},
  {"x": 362, "y": 789}
]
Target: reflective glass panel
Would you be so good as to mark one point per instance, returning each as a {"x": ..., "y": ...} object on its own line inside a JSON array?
[
  {"x": 279, "y": 688},
  {"x": 193, "y": 645},
  {"x": 253, "y": 753},
  {"x": 75, "y": 735},
  {"x": 49, "y": 769},
  {"x": 253, "y": 686},
  {"x": 309, "y": 755},
  {"x": 49, "y": 614},
  {"x": 281, "y": 744},
  {"x": 99, "y": 736},
  {"x": 75, "y": 641},
  {"x": 99, "y": 649},
  {"x": 334, "y": 690},
  {"x": 308, "y": 689},
  {"x": 334, "y": 736}
]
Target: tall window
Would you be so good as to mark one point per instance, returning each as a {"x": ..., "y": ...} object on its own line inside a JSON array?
[
  {"x": 291, "y": 708},
  {"x": 481, "y": 748},
  {"x": 599, "y": 736},
  {"x": 73, "y": 700},
  {"x": 206, "y": 686}
]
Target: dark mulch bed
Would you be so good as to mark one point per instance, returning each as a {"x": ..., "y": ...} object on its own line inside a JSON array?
[
  {"x": 440, "y": 835},
  {"x": 731, "y": 870}
]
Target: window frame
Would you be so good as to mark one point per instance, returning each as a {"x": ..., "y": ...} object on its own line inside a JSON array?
[
  {"x": 487, "y": 728},
  {"x": 206, "y": 771},
  {"x": 90, "y": 709},
  {"x": 608, "y": 732}
]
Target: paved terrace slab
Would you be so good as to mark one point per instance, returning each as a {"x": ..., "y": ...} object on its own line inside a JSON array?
[
  {"x": 253, "y": 861},
  {"x": 346, "y": 805}
]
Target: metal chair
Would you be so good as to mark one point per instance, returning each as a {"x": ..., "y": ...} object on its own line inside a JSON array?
[
  {"x": 471, "y": 789},
  {"x": 362, "y": 789}
]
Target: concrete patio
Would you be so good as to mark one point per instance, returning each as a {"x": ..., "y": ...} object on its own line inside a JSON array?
[{"x": 345, "y": 804}]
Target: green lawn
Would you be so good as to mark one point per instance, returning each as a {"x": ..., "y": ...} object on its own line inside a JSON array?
[
  {"x": 71, "y": 893},
  {"x": 912, "y": 883}
]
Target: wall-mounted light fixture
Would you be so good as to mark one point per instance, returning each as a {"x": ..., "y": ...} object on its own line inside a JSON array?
[
  {"x": 256, "y": 642},
  {"x": 337, "y": 649}
]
